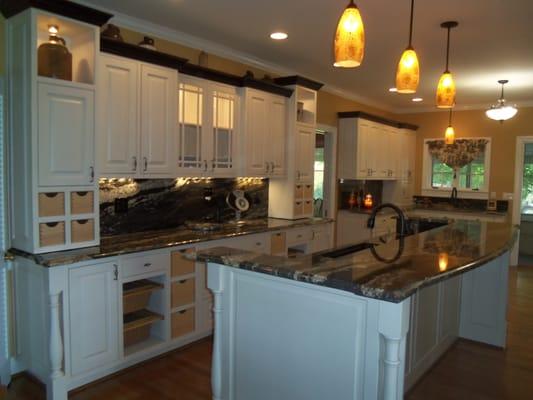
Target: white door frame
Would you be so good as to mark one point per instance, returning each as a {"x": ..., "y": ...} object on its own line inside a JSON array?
[
  {"x": 518, "y": 178},
  {"x": 330, "y": 144}
]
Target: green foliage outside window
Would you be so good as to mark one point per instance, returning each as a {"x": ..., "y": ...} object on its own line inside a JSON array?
[{"x": 471, "y": 176}]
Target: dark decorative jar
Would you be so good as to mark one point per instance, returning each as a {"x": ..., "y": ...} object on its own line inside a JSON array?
[{"x": 54, "y": 59}]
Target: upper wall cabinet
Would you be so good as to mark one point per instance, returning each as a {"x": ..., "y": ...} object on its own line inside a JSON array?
[
  {"x": 207, "y": 128},
  {"x": 265, "y": 134},
  {"x": 374, "y": 151},
  {"x": 137, "y": 114}
]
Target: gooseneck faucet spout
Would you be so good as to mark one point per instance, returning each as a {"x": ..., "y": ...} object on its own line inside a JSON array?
[{"x": 401, "y": 216}]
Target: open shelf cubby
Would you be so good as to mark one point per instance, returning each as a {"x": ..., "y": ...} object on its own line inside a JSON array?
[{"x": 305, "y": 106}]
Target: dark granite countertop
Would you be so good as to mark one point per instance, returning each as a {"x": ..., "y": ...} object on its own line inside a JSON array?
[
  {"x": 438, "y": 209},
  {"x": 409, "y": 263},
  {"x": 144, "y": 241}
]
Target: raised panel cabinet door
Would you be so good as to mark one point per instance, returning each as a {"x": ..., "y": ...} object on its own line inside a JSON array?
[
  {"x": 65, "y": 136},
  {"x": 117, "y": 135},
  {"x": 191, "y": 127},
  {"x": 158, "y": 121},
  {"x": 256, "y": 131},
  {"x": 305, "y": 154},
  {"x": 364, "y": 167},
  {"x": 94, "y": 317},
  {"x": 278, "y": 135},
  {"x": 224, "y": 132}
]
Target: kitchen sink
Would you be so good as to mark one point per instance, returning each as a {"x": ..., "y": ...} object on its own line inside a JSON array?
[{"x": 344, "y": 251}]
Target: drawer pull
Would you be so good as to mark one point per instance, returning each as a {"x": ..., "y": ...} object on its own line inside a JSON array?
[
  {"x": 182, "y": 311},
  {"x": 299, "y": 236},
  {"x": 182, "y": 281},
  {"x": 82, "y": 221},
  {"x": 51, "y": 224},
  {"x": 82, "y": 194},
  {"x": 147, "y": 265},
  {"x": 258, "y": 244},
  {"x": 51, "y": 194}
]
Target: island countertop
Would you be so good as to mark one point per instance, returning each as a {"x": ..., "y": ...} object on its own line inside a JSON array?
[
  {"x": 145, "y": 241},
  {"x": 390, "y": 271}
]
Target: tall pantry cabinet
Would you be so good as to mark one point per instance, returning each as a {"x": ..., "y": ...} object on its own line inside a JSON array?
[{"x": 51, "y": 125}]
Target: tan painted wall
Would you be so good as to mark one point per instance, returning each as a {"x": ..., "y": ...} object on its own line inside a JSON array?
[{"x": 472, "y": 124}]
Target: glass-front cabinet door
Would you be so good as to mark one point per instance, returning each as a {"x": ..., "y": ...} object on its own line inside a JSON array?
[
  {"x": 223, "y": 138},
  {"x": 191, "y": 158}
]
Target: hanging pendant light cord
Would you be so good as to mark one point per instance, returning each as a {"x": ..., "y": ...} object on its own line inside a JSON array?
[
  {"x": 411, "y": 23},
  {"x": 450, "y": 118},
  {"x": 448, "y": 50},
  {"x": 501, "y": 98}
]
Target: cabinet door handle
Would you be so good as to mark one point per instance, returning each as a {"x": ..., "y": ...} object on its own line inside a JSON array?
[
  {"x": 273, "y": 166},
  {"x": 147, "y": 265},
  {"x": 267, "y": 167},
  {"x": 145, "y": 164},
  {"x": 115, "y": 272},
  {"x": 213, "y": 164},
  {"x": 299, "y": 174},
  {"x": 134, "y": 158},
  {"x": 91, "y": 174},
  {"x": 205, "y": 165}
]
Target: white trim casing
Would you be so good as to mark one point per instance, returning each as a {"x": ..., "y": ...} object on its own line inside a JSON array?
[{"x": 428, "y": 190}]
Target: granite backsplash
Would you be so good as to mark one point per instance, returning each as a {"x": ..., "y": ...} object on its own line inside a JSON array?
[
  {"x": 140, "y": 205},
  {"x": 348, "y": 186}
]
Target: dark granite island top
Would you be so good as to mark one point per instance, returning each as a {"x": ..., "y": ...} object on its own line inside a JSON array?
[
  {"x": 392, "y": 271},
  {"x": 145, "y": 241}
]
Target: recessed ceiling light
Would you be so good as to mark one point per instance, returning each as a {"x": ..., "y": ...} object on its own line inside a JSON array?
[
  {"x": 393, "y": 89},
  {"x": 417, "y": 99},
  {"x": 279, "y": 35}
]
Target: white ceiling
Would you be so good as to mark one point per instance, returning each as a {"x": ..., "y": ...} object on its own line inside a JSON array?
[{"x": 493, "y": 41}]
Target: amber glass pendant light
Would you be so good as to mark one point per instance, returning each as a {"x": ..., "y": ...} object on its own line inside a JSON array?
[
  {"x": 349, "y": 46},
  {"x": 446, "y": 89},
  {"x": 408, "y": 71},
  {"x": 449, "y": 135}
]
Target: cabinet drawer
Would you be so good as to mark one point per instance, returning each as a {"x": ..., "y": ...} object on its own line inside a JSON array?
[
  {"x": 298, "y": 208},
  {"x": 298, "y": 191},
  {"x": 143, "y": 264},
  {"x": 308, "y": 207},
  {"x": 182, "y": 293},
  {"x": 278, "y": 243},
  {"x": 51, "y": 204},
  {"x": 51, "y": 234},
  {"x": 82, "y": 230},
  {"x": 297, "y": 236},
  {"x": 180, "y": 265},
  {"x": 308, "y": 191},
  {"x": 182, "y": 322},
  {"x": 81, "y": 202}
]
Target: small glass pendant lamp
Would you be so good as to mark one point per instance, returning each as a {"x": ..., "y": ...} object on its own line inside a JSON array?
[
  {"x": 408, "y": 70},
  {"x": 349, "y": 44},
  {"x": 445, "y": 97},
  {"x": 449, "y": 135}
]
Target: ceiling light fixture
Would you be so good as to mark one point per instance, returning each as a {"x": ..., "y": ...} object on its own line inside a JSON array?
[
  {"x": 349, "y": 45},
  {"x": 501, "y": 112},
  {"x": 445, "y": 97},
  {"x": 279, "y": 35},
  {"x": 449, "y": 134},
  {"x": 408, "y": 71},
  {"x": 417, "y": 99}
]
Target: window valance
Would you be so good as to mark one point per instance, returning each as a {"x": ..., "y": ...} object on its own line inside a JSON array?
[{"x": 459, "y": 154}]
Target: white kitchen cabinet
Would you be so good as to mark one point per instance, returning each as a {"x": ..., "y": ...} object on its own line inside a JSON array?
[
  {"x": 322, "y": 237},
  {"x": 118, "y": 127},
  {"x": 94, "y": 317},
  {"x": 137, "y": 115},
  {"x": 158, "y": 121},
  {"x": 207, "y": 129},
  {"x": 305, "y": 152},
  {"x": 371, "y": 150},
  {"x": 265, "y": 130},
  {"x": 66, "y": 135}
]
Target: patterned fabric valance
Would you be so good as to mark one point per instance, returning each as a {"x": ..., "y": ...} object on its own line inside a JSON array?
[{"x": 459, "y": 154}]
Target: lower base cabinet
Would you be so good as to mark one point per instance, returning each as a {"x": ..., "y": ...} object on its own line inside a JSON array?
[{"x": 93, "y": 317}]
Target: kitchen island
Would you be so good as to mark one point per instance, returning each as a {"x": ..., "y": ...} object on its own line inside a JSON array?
[{"x": 360, "y": 322}]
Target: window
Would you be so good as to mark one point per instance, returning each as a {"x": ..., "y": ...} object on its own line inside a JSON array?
[
  {"x": 527, "y": 180},
  {"x": 474, "y": 177}
]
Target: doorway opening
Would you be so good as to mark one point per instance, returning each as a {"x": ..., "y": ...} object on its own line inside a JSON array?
[
  {"x": 523, "y": 208},
  {"x": 324, "y": 172}
]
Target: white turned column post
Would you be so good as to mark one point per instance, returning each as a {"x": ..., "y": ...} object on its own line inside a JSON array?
[
  {"x": 55, "y": 339},
  {"x": 393, "y": 326},
  {"x": 214, "y": 282}
]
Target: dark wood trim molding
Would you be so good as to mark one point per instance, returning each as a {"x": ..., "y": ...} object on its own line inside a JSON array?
[
  {"x": 298, "y": 80},
  {"x": 140, "y": 53},
  {"x": 265, "y": 86},
  {"x": 210, "y": 74},
  {"x": 376, "y": 118},
  {"x": 61, "y": 7}
]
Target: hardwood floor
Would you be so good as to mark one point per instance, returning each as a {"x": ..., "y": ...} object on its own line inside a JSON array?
[{"x": 469, "y": 371}]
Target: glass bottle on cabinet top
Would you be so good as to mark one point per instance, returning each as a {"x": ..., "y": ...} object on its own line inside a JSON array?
[{"x": 190, "y": 151}]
